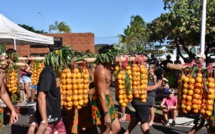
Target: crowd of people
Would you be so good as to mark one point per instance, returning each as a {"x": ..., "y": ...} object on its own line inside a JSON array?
[{"x": 48, "y": 116}]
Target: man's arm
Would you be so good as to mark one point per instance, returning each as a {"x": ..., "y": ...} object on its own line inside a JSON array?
[
  {"x": 6, "y": 99},
  {"x": 100, "y": 87},
  {"x": 44, "y": 87},
  {"x": 42, "y": 106},
  {"x": 153, "y": 87}
]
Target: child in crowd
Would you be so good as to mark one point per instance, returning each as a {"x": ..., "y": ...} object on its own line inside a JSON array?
[
  {"x": 165, "y": 86},
  {"x": 169, "y": 105}
]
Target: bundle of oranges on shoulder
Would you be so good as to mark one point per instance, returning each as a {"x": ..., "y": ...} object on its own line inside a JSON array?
[
  {"x": 131, "y": 81},
  {"x": 74, "y": 85},
  {"x": 196, "y": 92}
]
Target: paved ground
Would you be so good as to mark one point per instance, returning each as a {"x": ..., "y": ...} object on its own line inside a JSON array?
[
  {"x": 184, "y": 124},
  {"x": 157, "y": 128}
]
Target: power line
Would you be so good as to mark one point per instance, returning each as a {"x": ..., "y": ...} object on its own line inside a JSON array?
[{"x": 107, "y": 37}]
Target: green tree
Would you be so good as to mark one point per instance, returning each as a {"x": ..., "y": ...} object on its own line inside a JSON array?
[
  {"x": 135, "y": 36},
  {"x": 182, "y": 24},
  {"x": 30, "y": 28},
  {"x": 60, "y": 27}
]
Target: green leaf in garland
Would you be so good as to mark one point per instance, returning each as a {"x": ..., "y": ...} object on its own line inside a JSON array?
[{"x": 127, "y": 83}]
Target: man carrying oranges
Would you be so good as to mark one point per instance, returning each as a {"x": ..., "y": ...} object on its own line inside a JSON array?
[
  {"x": 48, "y": 109},
  {"x": 3, "y": 93},
  {"x": 103, "y": 110},
  {"x": 142, "y": 109}
]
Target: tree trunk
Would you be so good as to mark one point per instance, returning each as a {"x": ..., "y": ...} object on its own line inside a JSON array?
[{"x": 178, "y": 49}]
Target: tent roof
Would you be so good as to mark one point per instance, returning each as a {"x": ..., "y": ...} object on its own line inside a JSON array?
[{"x": 10, "y": 31}]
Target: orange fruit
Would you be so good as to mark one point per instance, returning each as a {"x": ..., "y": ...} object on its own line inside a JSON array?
[
  {"x": 210, "y": 96},
  {"x": 80, "y": 91},
  {"x": 75, "y": 91},
  {"x": 186, "y": 79},
  {"x": 188, "y": 108},
  {"x": 202, "y": 111},
  {"x": 185, "y": 85},
  {"x": 124, "y": 104},
  {"x": 85, "y": 96},
  {"x": 75, "y": 98},
  {"x": 81, "y": 102},
  {"x": 190, "y": 92},
  {"x": 196, "y": 111},
  {"x": 192, "y": 81},
  {"x": 211, "y": 79},
  {"x": 69, "y": 87},
  {"x": 210, "y": 102},
  {"x": 199, "y": 79},
  {"x": 189, "y": 98},
  {"x": 209, "y": 107},
  {"x": 211, "y": 85},
  {"x": 208, "y": 113},
  {"x": 80, "y": 97},
  {"x": 85, "y": 91},
  {"x": 121, "y": 101},
  {"x": 75, "y": 103},
  {"x": 85, "y": 101},
  {"x": 211, "y": 91}
]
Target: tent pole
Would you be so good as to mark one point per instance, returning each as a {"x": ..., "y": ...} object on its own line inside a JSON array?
[{"x": 14, "y": 43}]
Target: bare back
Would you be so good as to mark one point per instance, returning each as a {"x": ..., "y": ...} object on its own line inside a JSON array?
[{"x": 102, "y": 79}]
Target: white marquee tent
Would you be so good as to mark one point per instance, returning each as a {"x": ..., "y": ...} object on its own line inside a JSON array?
[{"x": 11, "y": 33}]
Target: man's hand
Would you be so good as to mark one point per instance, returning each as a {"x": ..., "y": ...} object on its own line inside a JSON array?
[
  {"x": 159, "y": 83},
  {"x": 107, "y": 122},
  {"x": 42, "y": 128},
  {"x": 13, "y": 117}
]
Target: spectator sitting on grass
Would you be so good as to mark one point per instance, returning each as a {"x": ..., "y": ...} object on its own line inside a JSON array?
[{"x": 169, "y": 104}]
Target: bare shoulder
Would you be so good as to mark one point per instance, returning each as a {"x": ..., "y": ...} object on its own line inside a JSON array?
[{"x": 99, "y": 69}]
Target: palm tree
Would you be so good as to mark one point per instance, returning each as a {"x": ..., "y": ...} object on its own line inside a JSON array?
[
  {"x": 135, "y": 35},
  {"x": 60, "y": 27}
]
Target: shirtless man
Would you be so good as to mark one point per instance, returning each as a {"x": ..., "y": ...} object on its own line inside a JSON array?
[
  {"x": 3, "y": 93},
  {"x": 104, "y": 113}
]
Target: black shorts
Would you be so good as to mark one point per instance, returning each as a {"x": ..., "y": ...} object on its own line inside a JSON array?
[{"x": 142, "y": 112}]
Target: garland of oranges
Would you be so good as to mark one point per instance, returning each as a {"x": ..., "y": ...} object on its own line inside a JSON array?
[
  {"x": 12, "y": 83},
  {"x": 196, "y": 92},
  {"x": 139, "y": 79},
  {"x": 74, "y": 87},
  {"x": 131, "y": 81},
  {"x": 36, "y": 68},
  {"x": 208, "y": 96},
  {"x": 123, "y": 82}
]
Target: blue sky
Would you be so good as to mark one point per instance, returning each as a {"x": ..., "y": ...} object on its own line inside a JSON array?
[{"x": 105, "y": 18}]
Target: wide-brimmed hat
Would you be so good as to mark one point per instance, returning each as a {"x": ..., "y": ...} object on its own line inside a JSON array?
[{"x": 201, "y": 55}]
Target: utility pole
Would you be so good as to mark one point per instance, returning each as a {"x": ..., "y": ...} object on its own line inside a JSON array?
[
  {"x": 203, "y": 27},
  {"x": 42, "y": 20}
]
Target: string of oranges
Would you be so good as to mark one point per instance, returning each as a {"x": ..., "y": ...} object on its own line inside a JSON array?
[
  {"x": 11, "y": 80},
  {"x": 196, "y": 95},
  {"x": 36, "y": 69},
  {"x": 74, "y": 88}
]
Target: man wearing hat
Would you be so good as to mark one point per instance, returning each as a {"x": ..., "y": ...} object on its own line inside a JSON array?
[
  {"x": 169, "y": 104},
  {"x": 201, "y": 59}
]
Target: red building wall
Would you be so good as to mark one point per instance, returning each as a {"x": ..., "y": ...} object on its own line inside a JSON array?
[{"x": 78, "y": 41}]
